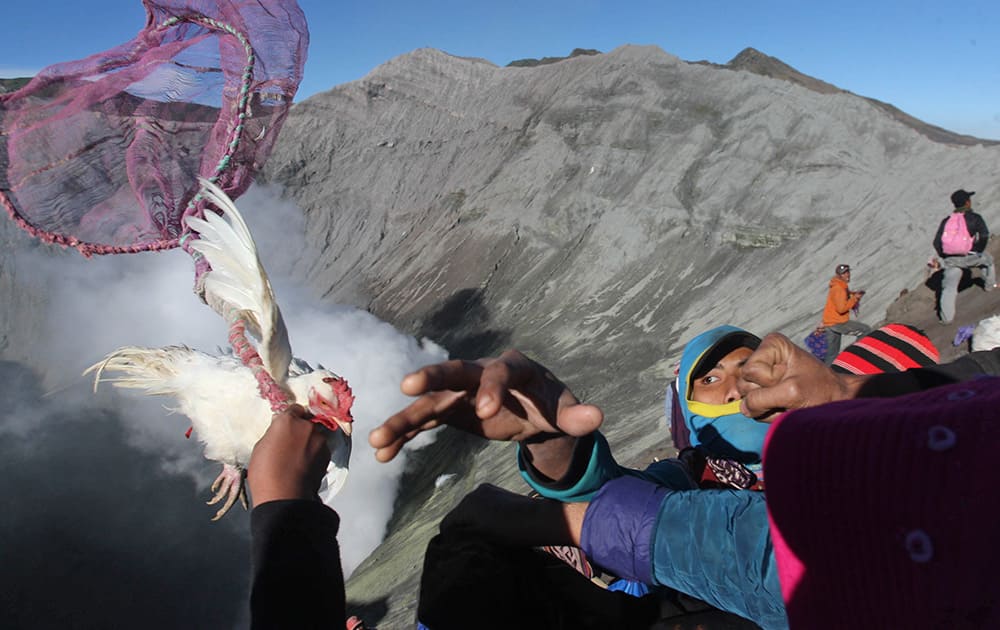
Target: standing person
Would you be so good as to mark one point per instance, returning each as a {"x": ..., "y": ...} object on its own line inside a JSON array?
[
  {"x": 837, "y": 312},
  {"x": 960, "y": 242}
]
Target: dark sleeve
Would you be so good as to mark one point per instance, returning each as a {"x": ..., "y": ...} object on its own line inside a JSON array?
[
  {"x": 937, "y": 238},
  {"x": 978, "y": 230},
  {"x": 297, "y": 578},
  {"x": 967, "y": 368}
]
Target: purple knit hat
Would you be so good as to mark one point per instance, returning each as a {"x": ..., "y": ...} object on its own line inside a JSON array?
[{"x": 884, "y": 512}]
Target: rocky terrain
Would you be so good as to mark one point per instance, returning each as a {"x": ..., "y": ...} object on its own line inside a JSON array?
[{"x": 596, "y": 212}]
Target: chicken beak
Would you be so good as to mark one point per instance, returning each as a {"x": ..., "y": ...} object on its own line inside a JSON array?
[{"x": 346, "y": 427}]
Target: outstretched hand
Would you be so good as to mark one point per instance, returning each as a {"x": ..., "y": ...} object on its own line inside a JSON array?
[
  {"x": 779, "y": 375},
  {"x": 510, "y": 398}
]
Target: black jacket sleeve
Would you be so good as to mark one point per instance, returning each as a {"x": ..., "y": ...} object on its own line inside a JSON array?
[
  {"x": 937, "y": 237},
  {"x": 971, "y": 366},
  {"x": 978, "y": 230},
  {"x": 297, "y": 578}
]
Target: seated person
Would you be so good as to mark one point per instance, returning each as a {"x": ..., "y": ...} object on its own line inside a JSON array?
[
  {"x": 714, "y": 545},
  {"x": 708, "y": 391}
]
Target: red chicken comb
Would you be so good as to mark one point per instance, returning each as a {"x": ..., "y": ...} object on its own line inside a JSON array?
[{"x": 345, "y": 399}]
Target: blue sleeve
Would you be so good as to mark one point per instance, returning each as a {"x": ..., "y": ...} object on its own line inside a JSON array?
[
  {"x": 594, "y": 467},
  {"x": 732, "y": 436},
  {"x": 713, "y": 545}
]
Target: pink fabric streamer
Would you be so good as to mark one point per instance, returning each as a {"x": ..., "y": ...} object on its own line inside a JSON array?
[{"x": 103, "y": 154}]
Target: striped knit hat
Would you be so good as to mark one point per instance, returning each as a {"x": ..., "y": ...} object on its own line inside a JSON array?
[{"x": 891, "y": 348}]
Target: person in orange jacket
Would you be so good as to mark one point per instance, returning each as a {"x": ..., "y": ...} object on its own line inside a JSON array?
[{"x": 837, "y": 312}]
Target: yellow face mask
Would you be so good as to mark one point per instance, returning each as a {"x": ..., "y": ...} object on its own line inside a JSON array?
[{"x": 706, "y": 410}]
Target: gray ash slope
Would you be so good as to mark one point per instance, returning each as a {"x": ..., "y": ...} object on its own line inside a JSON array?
[{"x": 597, "y": 213}]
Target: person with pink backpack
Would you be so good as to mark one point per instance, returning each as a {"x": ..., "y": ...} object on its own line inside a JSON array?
[{"x": 960, "y": 243}]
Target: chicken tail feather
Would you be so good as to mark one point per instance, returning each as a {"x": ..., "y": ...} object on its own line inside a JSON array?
[{"x": 151, "y": 369}]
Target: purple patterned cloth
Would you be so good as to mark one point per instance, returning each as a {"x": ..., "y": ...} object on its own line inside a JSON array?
[
  {"x": 103, "y": 154},
  {"x": 816, "y": 342}
]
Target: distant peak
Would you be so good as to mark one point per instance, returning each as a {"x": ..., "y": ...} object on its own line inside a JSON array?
[
  {"x": 752, "y": 60},
  {"x": 751, "y": 57},
  {"x": 530, "y": 63}
]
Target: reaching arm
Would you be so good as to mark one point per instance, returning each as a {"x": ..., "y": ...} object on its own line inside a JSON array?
[
  {"x": 779, "y": 375},
  {"x": 516, "y": 520},
  {"x": 297, "y": 577},
  {"x": 966, "y": 368},
  {"x": 592, "y": 465},
  {"x": 510, "y": 398},
  {"x": 712, "y": 544}
]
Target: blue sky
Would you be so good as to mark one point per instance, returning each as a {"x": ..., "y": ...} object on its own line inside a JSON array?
[{"x": 937, "y": 61}]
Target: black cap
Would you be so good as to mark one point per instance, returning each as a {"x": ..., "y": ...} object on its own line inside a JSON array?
[
  {"x": 732, "y": 341},
  {"x": 959, "y": 197},
  {"x": 842, "y": 269}
]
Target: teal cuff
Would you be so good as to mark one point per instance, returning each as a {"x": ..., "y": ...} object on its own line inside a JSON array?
[{"x": 601, "y": 467}]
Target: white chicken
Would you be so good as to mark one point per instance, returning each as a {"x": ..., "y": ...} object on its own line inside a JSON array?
[{"x": 220, "y": 393}]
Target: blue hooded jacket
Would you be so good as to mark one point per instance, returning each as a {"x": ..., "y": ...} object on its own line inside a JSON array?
[{"x": 656, "y": 527}]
